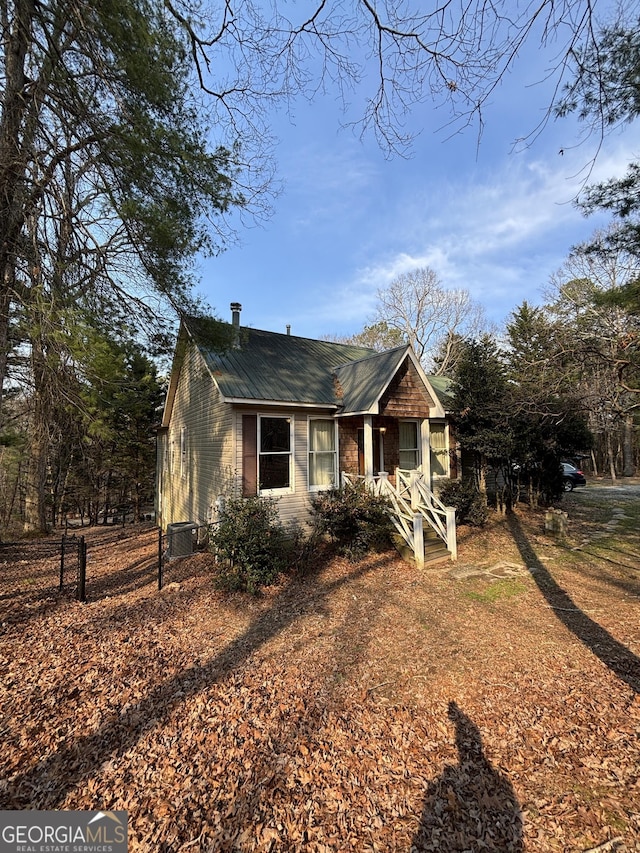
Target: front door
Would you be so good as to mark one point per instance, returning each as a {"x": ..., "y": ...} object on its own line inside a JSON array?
[{"x": 376, "y": 452}]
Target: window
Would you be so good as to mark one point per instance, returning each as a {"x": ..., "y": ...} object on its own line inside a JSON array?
[
  {"x": 183, "y": 452},
  {"x": 409, "y": 445},
  {"x": 322, "y": 453},
  {"x": 274, "y": 458},
  {"x": 439, "y": 454}
]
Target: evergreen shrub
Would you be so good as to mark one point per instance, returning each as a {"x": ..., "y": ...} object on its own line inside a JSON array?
[
  {"x": 250, "y": 544},
  {"x": 470, "y": 506},
  {"x": 356, "y": 520}
]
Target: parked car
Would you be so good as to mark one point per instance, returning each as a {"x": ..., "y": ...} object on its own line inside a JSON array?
[{"x": 572, "y": 477}]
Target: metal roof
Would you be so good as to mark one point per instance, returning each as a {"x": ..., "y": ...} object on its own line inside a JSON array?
[
  {"x": 271, "y": 367},
  {"x": 363, "y": 382}
]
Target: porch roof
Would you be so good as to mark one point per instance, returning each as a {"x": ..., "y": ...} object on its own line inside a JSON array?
[{"x": 364, "y": 381}]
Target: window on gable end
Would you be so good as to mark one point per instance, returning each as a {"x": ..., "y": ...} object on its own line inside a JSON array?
[{"x": 183, "y": 452}]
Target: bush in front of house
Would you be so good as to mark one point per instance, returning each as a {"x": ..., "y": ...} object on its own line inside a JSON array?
[
  {"x": 250, "y": 545},
  {"x": 356, "y": 520},
  {"x": 469, "y": 504}
]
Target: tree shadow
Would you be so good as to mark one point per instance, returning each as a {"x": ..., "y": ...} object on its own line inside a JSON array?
[
  {"x": 617, "y": 657},
  {"x": 56, "y": 774},
  {"x": 471, "y": 806}
]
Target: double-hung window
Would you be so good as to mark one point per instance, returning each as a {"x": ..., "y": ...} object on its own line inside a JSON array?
[
  {"x": 322, "y": 453},
  {"x": 274, "y": 457},
  {"x": 409, "y": 445},
  {"x": 439, "y": 453}
]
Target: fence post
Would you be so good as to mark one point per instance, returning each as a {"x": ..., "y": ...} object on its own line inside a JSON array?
[
  {"x": 62, "y": 560},
  {"x": 159, "y": 558},
  {"x": 418, "y": 539},
  {"x": 82, "y": 570}
]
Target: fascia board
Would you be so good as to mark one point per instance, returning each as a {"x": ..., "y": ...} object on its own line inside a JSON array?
[
  {"x": 436, "y": 411},
  {"x": 374, "y": 410},
  {"x": 281, "y": 404},
  {"x": 174, "y": 376}
]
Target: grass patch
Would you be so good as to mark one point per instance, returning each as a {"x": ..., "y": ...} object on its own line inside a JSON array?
[{"x": 497, "y": 591}]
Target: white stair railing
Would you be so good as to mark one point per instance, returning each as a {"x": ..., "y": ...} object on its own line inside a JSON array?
[{"x": 412, "y": 502}]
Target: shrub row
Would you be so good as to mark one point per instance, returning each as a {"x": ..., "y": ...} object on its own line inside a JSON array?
[{"x": 252, "y": 546}]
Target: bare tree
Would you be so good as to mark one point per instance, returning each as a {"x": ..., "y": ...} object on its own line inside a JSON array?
[
  {"x": 601, "y": 338},
  {"x": 429, "y": 317},
  {"x": 385, "y": 58}
]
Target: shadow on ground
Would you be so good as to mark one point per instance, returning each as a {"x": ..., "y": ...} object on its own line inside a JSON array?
[
  {"x": 620, "y": 660},
  {"x": 470, "y": 806}
]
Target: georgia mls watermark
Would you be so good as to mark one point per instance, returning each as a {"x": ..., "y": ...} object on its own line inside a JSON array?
[{"x": 63, "y": 832}]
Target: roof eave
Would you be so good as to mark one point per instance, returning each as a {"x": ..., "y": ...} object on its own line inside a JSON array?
[{"x": 288, "y": 404}]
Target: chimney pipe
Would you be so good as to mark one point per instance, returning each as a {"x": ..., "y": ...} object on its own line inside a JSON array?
[
  {"x": 288, "y": 329},
  {"x": 236, "y": 308}
]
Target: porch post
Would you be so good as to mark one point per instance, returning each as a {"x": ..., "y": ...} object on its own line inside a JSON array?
[
  {"x": 425, "y": 448},
  {"x": 452, "y": 543},
  {"x": 368, "y": 447},
  {"x": 418, "y": 539}
]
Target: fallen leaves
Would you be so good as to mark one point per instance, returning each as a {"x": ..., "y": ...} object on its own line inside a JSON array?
[{"x": 364, "y": 708}]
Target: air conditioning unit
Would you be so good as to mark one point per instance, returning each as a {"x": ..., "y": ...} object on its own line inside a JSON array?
[{"x": 180, "y": 538}]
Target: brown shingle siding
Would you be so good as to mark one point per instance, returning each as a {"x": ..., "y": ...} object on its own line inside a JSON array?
[{"x": 406, "y": 396}]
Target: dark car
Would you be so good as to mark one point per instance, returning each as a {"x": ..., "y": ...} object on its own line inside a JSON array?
[{"x": 572, "y": 477}]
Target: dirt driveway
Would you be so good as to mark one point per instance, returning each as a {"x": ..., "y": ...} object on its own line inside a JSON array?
[{"x": 365, "y": 707}]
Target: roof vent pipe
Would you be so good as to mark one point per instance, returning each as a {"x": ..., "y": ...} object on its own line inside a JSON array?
[
  {"x": 236, "y": 308},
  {"x": 288, "y": 329}
]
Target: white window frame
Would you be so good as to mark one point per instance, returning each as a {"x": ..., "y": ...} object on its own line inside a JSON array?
[
  {"x": 287, "y": 490},
  {"x": 447, "y": 461},
  {"x": 183, "y": 452},
  {"x": 418, "y": 447},
  {"x": 321, "y": 488}
]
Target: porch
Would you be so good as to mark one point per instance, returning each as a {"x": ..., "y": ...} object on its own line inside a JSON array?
[{"x": 423, "y": 523}]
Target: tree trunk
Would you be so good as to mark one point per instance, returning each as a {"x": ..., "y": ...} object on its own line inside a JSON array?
[
  {"x": 17, "y": 36},
  {"x": 628, "y": 463},
  {"x": 611, "y": 458},
  {"x": 35, "y": 515}
]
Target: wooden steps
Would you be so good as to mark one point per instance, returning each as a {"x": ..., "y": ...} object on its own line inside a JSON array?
[{"x": 435, "y": 551}]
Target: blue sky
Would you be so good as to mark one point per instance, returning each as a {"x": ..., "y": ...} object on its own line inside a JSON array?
[{"x": 493, "y": 220}]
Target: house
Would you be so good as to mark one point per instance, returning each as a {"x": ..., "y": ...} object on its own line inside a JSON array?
[{"x": 283, "y": 416}]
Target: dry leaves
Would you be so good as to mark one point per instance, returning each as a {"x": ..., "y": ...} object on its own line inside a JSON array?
[{"x": 363, "y": 707}]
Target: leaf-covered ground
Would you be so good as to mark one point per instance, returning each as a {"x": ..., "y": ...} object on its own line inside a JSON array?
[{"x": 493, "y": 705}]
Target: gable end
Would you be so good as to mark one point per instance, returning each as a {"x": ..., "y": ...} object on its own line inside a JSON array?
[{"x": 406, "y": 395}]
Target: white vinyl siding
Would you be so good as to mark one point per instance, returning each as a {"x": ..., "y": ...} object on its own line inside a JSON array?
[{"x": 199, "y": 445}]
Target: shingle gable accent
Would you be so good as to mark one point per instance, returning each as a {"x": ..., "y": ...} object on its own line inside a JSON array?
[{"x": 406, "y": 395}]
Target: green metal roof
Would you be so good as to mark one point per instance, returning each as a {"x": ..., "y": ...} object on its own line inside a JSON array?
[
  {"x": 363, "y": 382},
  {"x": 273, "y": 367},
  {"x": 443, "y": 386},
  {"x": 269, "y": 366}
]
